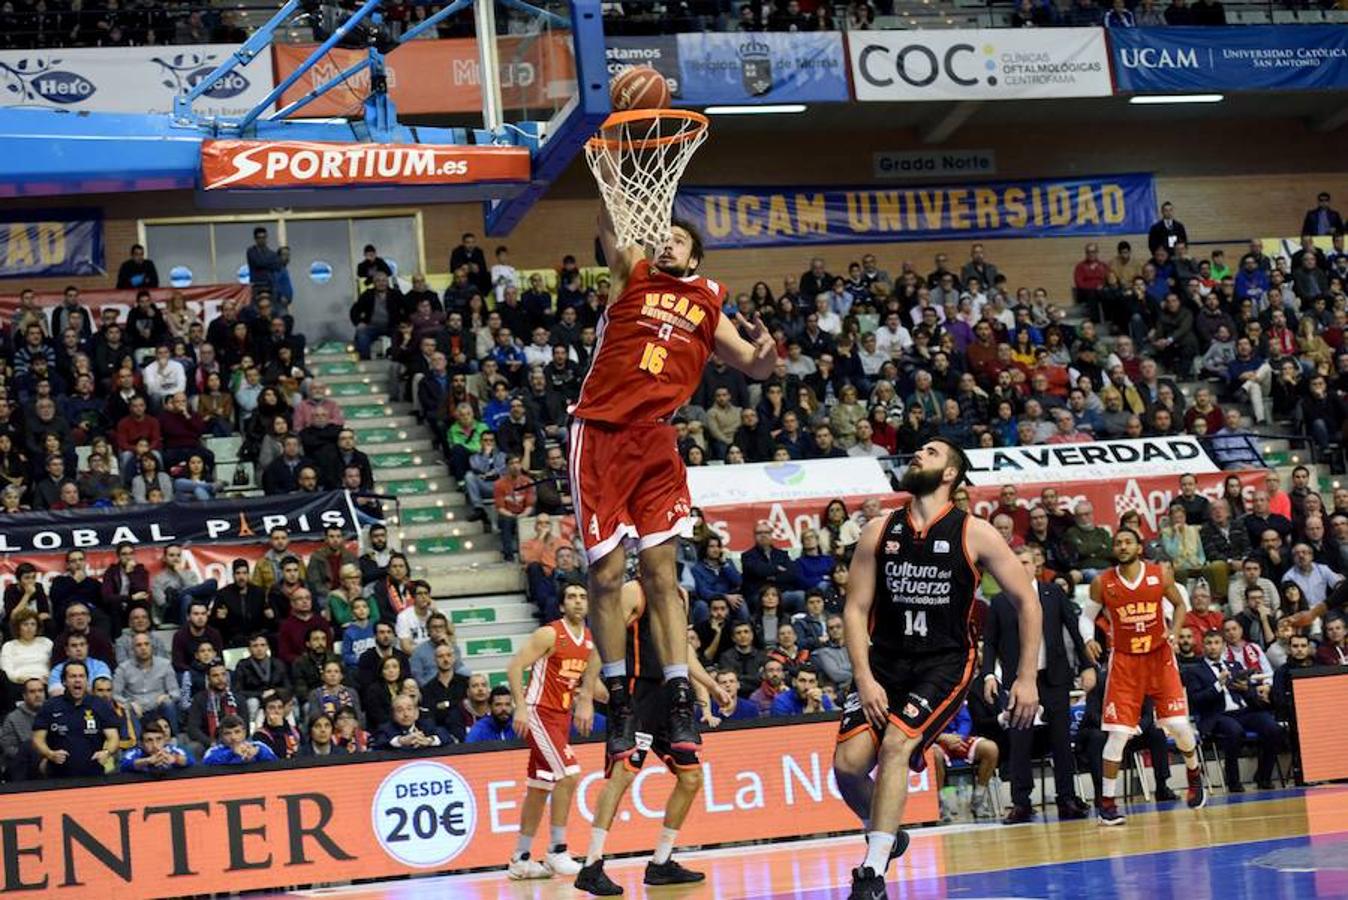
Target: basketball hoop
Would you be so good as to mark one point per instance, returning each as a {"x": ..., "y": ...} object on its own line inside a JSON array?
[{"x": 638, "y": 158}]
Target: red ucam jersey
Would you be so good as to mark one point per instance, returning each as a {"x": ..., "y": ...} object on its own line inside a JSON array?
[
  {"x": 1136, "y": 611},
  {"x": 553, "y": 680},
  {"x": 653, "y": 343}
]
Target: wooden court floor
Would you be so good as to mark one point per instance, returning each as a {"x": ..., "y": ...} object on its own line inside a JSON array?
[{"x": 1265, "y": 846}]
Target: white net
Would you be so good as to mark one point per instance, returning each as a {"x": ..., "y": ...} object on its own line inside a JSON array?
[{"x": 638, "y": 158}]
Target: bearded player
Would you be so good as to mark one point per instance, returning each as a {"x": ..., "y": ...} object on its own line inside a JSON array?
[
  {"x": 557, "y": 656},
  {"x": 649, "y": 718},
  {"x": 627, "y": 478},
  {"x": 1141, "y": 663},
  {"x": 908, "y": 626}
]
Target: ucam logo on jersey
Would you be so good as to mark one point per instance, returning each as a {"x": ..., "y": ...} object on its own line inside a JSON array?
[{"x": 307, "y": 164}]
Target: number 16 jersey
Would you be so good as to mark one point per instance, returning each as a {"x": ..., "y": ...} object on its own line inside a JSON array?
[
  {"x": 924, "y": 587},
  {"x": 652, "y": 345}
]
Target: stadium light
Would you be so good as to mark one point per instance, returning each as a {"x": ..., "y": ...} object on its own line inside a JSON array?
[
  {"x": 1158, "y": 99},
  {"x": 765, "y": 109}
]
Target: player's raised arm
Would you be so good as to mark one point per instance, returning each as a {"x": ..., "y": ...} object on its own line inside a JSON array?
[
  {"x": 756, "y": 356},
  {"x": 538, "y": 645},
  {"x": 856, "y": 624},
  {"x": 620, "y": 260},
  {"x": 993, "y": 554}
]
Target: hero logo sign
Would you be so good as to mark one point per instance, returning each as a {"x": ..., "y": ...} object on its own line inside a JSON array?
[
  {"x": 424, "y": 814},
  {"x": 302, "y": 164}
]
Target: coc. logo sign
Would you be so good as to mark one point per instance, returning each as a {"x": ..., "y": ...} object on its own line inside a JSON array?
[{"x": 424, "y": 814}]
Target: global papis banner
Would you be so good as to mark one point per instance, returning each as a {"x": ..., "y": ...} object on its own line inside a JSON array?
[
  {"x": 281, "y": 825},
  {"x": 237, "y": 164},
  {"x": 1070, "y": 207}
]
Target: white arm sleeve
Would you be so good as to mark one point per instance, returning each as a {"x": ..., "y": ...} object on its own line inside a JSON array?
[{"x": 1086, "y": 623}]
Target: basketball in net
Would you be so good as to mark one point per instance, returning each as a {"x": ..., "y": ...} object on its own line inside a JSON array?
[{"x": 638, "y": 158}]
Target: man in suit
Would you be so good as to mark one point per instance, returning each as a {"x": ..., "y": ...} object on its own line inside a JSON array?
[
  {"x": 1167, "y": 231},
  {"x": 1001, "y": 644},
  {"x": 1227, "y": 704},
  {"x": 1322, "y": 220}
]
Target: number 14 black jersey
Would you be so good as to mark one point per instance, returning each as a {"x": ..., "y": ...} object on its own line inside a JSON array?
[{"x": 924, "y": 587}]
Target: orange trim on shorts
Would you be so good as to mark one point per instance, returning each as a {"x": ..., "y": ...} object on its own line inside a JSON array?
[
  {"x": 848, "y": 735},
  {"x": 956, "y": 692},
  {"x": 903, "y": 726}
]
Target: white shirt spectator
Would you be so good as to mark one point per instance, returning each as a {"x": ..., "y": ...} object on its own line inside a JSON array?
[
  {"x": 830, "y": 322},
  {"x": 1316, "y": 584},
  {"x": 411, "y": 626},
  {"x": 892, "y": 343},
  {"x": 165, "y": 381},
  {"x": 868, "y": 449},
  {"x": 22, "y": 661},
  {"x": 537, "y": 354},
  {"x": 1235, "y": 593},
  {"x": 872, "y": 363},
  {"x": 503, "y": 276},
  {"x": 1232, "y": 655}
]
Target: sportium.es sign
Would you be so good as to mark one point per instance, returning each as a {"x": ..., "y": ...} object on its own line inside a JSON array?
[{"x": 934, "y": 163}]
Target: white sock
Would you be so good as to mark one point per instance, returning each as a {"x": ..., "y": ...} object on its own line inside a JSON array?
[
  {"x": 597, "y": 838},
  {"x": 878, "y": 845},
  {"x": 558, "y": 834},
  {"x": 1109, "y": 787},
  {"x": 1191, "y": 762},
  {"x": 522, "y": 844},
  {"x": 616, "y": 669},
  {"x": 672, "y": 672},
  {"x": 664, "y": 848}
]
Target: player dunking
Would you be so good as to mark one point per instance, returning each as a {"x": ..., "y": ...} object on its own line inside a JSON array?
[
  {"x": 1141, "y": 663},
  {"x": 558, "y": 656},
  {"x": 649, "y": 719},
  {"x": 908, "y": 625},
  {"x": 627, "y": 478}
]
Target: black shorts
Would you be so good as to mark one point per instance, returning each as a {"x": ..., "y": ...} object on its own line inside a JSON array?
[
  {"x": 650, "y": 717},
  {"x": 924, "y": 694}
]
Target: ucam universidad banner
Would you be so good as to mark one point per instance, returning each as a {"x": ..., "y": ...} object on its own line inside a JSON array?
[
  {"x": 131, "y": 79},
  {"x": 52, "y": 242},
  {"x": 1243, "y": 58},
  {"x": 984, "y": 64},
  {"x": 753, "y": 67},
  {"x": 1072, "y": 207}
]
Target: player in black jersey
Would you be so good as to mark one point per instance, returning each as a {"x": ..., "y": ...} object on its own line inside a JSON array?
[
  {"x": 650, "y": 718},
  {"x": 908, "y": 626}
]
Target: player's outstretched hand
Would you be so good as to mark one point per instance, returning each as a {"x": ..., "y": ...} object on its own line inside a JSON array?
[
  {"x": 874, "y": 703},
  {"x": 757, "y": 333},
  {"x": 1023, "y": 703},
  {"x": 1302, "y": 619}
]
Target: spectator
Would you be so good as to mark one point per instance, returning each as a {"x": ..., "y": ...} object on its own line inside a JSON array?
[
  {"x": 810, "y": 627},
  {"x": 1168, "y": 230},
  {"x": 772, "y": 683},
  {"x": 1323, "y": 219},
  {"x": 498, "y": 724},
  {"x": 743, "y": 658},
  {"x": 1333, "y": 650},
  {"x": 1256, "y": 619},
  {"x": 263, "y": 264},
  {"x": 156, "y": 754},
  {"x": 78, "y": 621},
  {"x": 210, "y": 707},
  {"x": 146, "y": 683},
  {"x": 27, "y": 654},
  {"x": 445, "y": 691},
  {"x": 715, "y": 575},
  {"x": 513, "y": 496},
  {"x": 804, "y": 696},
  {"x": 330, "y": 694},
  {"x": 241, "y": 609},
  {"x": 370, "y": 263},
  {"x": 17, "y": 757},
  {"x": 26, "y": 595},
  {"x": 196, "y": 632},
  {"x": 1090, "y": 545},
  {"x": 1227, "y": 704},
  {"x": 67, "y": 729},
  {"x": 379, "y": 694},
  {"x": 737, "y": 709},
  {"x": 321, "y": 737},
  {"x": 766, "y": 565},
  {"x": 258, "y": 674},
  {"x": 407, "y": 730},
  {"x": 76, "y": 651},
  {"x": 469, "y": 256},
  {"x": 1251, "y": 578},
  {"x": 376, "y": 313},
  {"x": 831, "y": 658},
  {"x": 1246, "y": 653},
  {"x": 138, "y": 272},
  {"x": 235, "y": 748},
  {"x": 1299, "y": 656},
  {"x": 1315, "y": 579},
  {"x": 1119, "y": 16}
]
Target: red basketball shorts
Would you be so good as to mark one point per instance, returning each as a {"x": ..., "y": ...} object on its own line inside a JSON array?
[
  {"x": 1133, "y": 677},
  {"x": 629, "y": 484},
  {"x": 550, "y": 755}
]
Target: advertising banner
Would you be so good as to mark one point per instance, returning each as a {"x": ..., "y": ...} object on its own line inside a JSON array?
[
  {"x": 1242, "y": 58},
  {"x": 131, "y": 79},
  {"x": 1150, "y": 496},
  {"x": 660, "y": 52},
  {"x": 437, "y": 76},
  {"x": 51, "y": 242},
  {"x": 203, "y": 300},
  {"x": 221, "y": 521},
  {"x": 755, "y": 482},
  {"x": 1322, "y": 727},
  {"x": 986, "y": 64},
  {"x": 914, "y": 164},
  {"x": 792, "y": 216},
  {"x": 788, "y": 67},
  {"x": 254, "y": 829},
  {"x": 304, "y": 164},
  {"x": 1136, "y": 458}
]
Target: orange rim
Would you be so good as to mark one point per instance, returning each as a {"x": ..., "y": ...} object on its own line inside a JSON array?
[{"x": 628, "y": 116}]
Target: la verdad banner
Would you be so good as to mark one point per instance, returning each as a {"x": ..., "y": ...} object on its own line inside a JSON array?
[
  {"x": 51, "y": 243},
  {"x": 219, "y": 521},
  {"x": 792, "y": 216},
  {"x": 762, "y": 67},
  {"x": 1102, "y": 460},
  {"x": 255, "y": 828},
  {"x": 1150, "y": 496},
  {"x": 441, "y": 76},
  {"x": 203, "y": 300},
  {"x": 1241, "y": 58},
  {"x": 131, "y": 79},
  {"x": 987, "y": 64}
]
